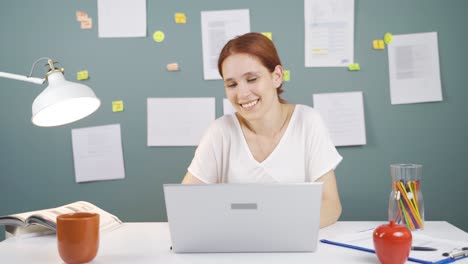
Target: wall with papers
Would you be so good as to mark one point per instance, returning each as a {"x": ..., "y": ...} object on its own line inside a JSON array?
[{"x": 37, "y": 165}]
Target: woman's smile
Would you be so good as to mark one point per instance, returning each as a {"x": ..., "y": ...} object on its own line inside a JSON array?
[{"x": 249, "y": 105}]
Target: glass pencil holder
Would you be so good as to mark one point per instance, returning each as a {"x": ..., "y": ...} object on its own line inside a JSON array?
[{"x": 406, "y": 203}]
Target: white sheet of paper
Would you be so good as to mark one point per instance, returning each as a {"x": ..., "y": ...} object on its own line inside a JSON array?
[
  {"x": 179, "y": 121},
  {"x": 365, "y": 239},
  {"x": 228, "y": 109},
  {"x": 97, "y": 153},
  {"x": 413, "y": 62},
  {"x": 121, "y": 18},
  {"x": 343, "y": 113},
  {"x": 218, "y": 27},
  {"x": 329, "y": 33}
]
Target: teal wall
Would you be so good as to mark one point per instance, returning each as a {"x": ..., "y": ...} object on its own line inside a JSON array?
[{"x": 36, "y": 164}]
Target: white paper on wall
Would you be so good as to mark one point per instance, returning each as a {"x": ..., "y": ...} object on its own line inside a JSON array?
[{"x": 343, "y": 113}]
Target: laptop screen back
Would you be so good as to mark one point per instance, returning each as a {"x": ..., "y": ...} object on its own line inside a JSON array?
[{"x": 244, "y": 217}]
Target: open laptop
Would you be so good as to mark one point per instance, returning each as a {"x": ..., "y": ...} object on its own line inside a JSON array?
[{"x": 243, "y": 217}]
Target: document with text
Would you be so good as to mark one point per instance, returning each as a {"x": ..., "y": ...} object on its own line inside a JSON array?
[
  {"x": 218, "y": 27},
  {"x": 413, "y": 63},
  {"x": 329, "y": 33},
  {"x": 97, "y": 153},
  {"x": 343, "y": 114}
]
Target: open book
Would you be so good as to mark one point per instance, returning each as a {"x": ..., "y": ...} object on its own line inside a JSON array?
[{"x": 43, "y": 222}]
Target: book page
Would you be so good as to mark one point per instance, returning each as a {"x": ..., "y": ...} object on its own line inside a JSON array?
[
  {"x": 27, "y": 231},
  {"x": 47, "y": 217}
]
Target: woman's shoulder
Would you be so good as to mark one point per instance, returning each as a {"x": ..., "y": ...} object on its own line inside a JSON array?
[
  {"x": 226, "y": 121},
  {"x": 223, "y": 124},
  {"x": 305, "y": 112}
]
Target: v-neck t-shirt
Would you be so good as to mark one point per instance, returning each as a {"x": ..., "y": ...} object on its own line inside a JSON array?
[{"x": 304, "y": 153}]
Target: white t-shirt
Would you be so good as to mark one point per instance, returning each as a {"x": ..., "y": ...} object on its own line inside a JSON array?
[{"x": 304, "y": 153}]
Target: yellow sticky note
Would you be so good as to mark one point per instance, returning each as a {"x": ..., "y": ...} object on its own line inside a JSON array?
[
  {"x": 180, "y": 18},
  {"x": 286, "y": 75},
  {"x": 158, "y": 36},
  {"x": 268, "y": 35},
  {"x": 117, "y": 106},
  {"x": 388, "y": 37},
  {"x": 82, "y": 75},
  {"x": 354, "y": 67},
  {"x": 378, "y": 44}
]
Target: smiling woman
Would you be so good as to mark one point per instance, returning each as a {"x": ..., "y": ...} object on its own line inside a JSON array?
[{"x": 267, "y": 139}]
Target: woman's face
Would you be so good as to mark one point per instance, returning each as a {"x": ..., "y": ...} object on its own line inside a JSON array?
[{"x": 249, "y": 86}]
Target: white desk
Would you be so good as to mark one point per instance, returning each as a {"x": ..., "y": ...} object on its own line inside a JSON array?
[{"x": 150, "y": 242}]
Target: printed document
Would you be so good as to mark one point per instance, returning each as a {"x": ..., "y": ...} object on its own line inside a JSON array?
[
  {"x": 413, "y": 62},
  {"x": 218, "y": 27},
  {"x": 329, "y": 33}
]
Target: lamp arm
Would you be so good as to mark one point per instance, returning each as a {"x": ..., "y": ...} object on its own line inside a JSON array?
[
  {"x": 22, "y": 78},
  {"x": 28, "y": 78}
]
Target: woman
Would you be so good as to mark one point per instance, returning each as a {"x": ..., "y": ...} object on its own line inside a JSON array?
[{"x": 267, "y": 139}]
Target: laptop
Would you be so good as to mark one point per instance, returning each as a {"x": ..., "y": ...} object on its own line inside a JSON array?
[{"x": 243, "y": 217}]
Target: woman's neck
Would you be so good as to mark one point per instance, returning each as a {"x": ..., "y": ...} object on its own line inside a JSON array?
[{"x": 271, "y": 124}]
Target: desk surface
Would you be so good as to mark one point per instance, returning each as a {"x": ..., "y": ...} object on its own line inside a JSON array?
[{"x": 150, "y": 243}]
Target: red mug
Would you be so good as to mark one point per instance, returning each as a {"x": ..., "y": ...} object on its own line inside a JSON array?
[{"x": 78, "y": 237}]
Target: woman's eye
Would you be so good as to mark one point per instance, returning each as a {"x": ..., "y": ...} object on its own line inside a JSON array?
[
  {"x": 251, "y": 80},
  {"x": 230, "y": 85}
]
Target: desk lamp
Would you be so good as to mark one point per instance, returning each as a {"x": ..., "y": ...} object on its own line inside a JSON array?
[{"x": 61, "y": 102}]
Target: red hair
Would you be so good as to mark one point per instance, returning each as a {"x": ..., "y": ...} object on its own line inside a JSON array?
[{"x": 256, "y": 45}]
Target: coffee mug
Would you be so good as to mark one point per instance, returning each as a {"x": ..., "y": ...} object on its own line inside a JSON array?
[{"x": 78, "y": 237}]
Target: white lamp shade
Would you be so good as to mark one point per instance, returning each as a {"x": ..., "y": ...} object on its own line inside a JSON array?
[{"x": 63, "y": 102}]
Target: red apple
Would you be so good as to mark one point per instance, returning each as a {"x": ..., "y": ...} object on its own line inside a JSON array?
[{"x": 392, "y": 243}]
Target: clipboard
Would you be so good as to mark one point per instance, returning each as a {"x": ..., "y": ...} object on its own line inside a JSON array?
[{"x": 451, "y": 256}]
